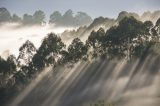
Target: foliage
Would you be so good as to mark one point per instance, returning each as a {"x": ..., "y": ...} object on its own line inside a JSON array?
[
  {"x": 16, "y": 18},
  {"x": 55, "y": 18},
  {"x": 130, "y": 38},
  {"x": 27, "y": 19},
  {"x": 4, "y": 66},
  {"x": 5, "y": 15},
  {"x": 95, "y": 43},
  {"x": 77, "y": 50},
  {"x": 38, "y": 17},
  {"x": 26, "y": 53},
  {"x": 68, "y": 20},
  {"x": 49, "y": 50}
]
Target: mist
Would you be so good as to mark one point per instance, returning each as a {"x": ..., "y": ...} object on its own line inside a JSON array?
[
  {"x": 123, "y": 83},
  {"x": 66, "y": 61},
  {"x": 13, "y": 36}
]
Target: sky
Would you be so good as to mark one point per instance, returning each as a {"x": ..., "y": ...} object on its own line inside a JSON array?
[{"x": 95, "y": 8}]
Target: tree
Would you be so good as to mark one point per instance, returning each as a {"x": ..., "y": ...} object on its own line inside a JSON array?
[
  {"x": 158, "y": 22},
  {"x": 124, "y": 14},
  {"x": 4, "y": 15},
  {"x": 158, "y": 26},
  {"x": 121, "y": 38},
  {"x": 148, "y": 25},
  {"x": 11, "y": 60},
  {"x": 38, "y": 17},
  {"x": 7, "y": 68},
  {"x": 49, "y": 50},
  {"x": 77, "y": 50},
  {"x": 4, "y": 70},
  {"x": 56, "y": 18},
  {"x": 26, "y": 53},
  {"x": 65, "y": 58},
  {"x": 95, "y": 38},
  {"x": 82, "y": 19},
  {"x": 68, "y": 18},
  {"x": 27, "y": 19},
  {"x": 130, "y": 28},
  {"x": 95, "y": 43},
  {"x": 4, "y": 66},
  {"x": 92, "y": 39},
  {"x": 16, "y": 18}
]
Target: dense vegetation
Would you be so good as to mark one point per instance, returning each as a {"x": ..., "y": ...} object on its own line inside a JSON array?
[
  {"x": 130, "y": 39},
  {"x": 38, "y": 18},
  {"x": 69, "y": 18}
]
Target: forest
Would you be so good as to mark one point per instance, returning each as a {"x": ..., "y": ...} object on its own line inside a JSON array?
[
  {"x": 130, "y": 39},
  {"x": 39, "y": 18}
]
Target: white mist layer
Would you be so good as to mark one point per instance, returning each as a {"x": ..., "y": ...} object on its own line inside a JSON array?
[{"x": 12, "y": 36}]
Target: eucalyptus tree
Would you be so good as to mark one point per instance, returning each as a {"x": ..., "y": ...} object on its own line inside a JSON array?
[
  {"x": 95, "y": 43},
  {"x": 39, "y": 17},
  {"x": 5, "y": 15},
  {"x": 16, "y": 18},
  {"x": 48, "y": 52},
  {"x": 55, "y": 18},
  {"x": 123, "y": 38},
  {"x": 77, "y": 51}
]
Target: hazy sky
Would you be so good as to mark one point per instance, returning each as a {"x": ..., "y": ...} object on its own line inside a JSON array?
[{"x": 95, "y": 8}]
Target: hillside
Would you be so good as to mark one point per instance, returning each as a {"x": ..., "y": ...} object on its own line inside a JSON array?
[{"x": 122, "y": 83}]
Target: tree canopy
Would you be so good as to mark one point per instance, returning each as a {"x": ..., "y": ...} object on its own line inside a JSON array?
[
  {"x": 68, "y": 19},
  {"x": 5, "y": 15},
  {"x": 130, "y": 39}
]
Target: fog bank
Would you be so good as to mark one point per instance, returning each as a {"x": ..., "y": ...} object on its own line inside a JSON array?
[{"x": 12, "y": 36}]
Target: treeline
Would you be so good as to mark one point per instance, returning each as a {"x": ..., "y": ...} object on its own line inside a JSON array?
[
  {"x": 38, "y": 18},
  {"x": 106, "y": 23},
  {"x": 68, "y": 19},
  {"x": 152, "y": 16},
  {"x": 129, "y": 39}
]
